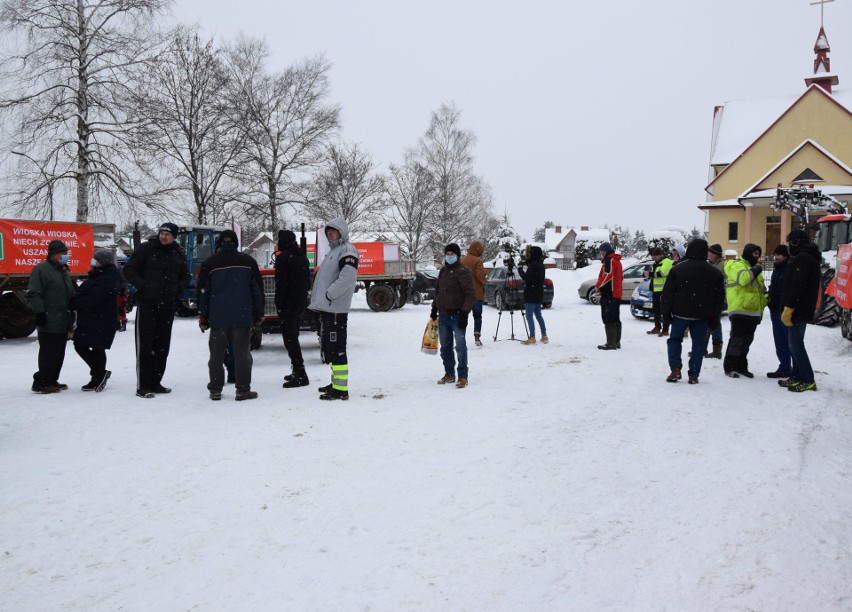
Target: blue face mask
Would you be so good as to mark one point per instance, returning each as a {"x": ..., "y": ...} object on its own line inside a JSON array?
[
  {"x": 64, "y": 259},
  {"x": 451, "y": 259}
]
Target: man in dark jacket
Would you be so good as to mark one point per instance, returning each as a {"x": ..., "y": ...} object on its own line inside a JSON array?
[
  {"x": 717, "y": 260},
  {"x": 454, "y": 297},
  {"x": 158, "y": 271},
  {"x": 97, "y": 317},
  {"x": 49, "y": 293},
  {"x": 776, "y": 307},
  {"x": 230, "y": 292},
  {"x": 292, "y": 281},
  {"x": 692, "y": 298},
  {"x": 533, "y": 275},
  {"x": 610, "y": 286},
  {"x": 802, "y": 288}
]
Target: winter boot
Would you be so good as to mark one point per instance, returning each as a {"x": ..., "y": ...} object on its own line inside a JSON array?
[
  {"x": 241, "y": 396},
  {"x": 335, "y": 394},
  {"x": 610, "y": 338},
  {"x": 618, "y": 335},
  {"x": 545, "y": 340},
  {"x": 674, "y": 376},
  {"x": 476, "y": 340},
  {"x": 528, "y": 341},
  {"x": 299, "y": 378},
  {"x": 91, "y": 385},
  {"x": 446, "y": 379},
  {"x": 716, "y": 354},
  {"x": 652, "y": 332},
  {"x": 462, "y": 383},
  {"x": 102, "y": 381}
]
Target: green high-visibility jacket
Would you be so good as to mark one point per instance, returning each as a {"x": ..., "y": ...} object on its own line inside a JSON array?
[
  {"x": 659, "y": 271},
  {"x": 746, "y": 292}
]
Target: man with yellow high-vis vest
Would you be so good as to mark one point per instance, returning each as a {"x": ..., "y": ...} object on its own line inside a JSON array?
[{"x": 659, "y": 271}]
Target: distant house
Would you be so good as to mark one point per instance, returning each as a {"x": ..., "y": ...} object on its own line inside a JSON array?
[
  {"x": 262, "y": 249},
  {"x": 561, "y": 245}
]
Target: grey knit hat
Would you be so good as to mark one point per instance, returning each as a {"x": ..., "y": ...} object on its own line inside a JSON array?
[{"x": 104, "y": 257}]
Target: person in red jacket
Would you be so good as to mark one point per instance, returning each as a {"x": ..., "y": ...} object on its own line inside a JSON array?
[{"x": 610, "y": 285}]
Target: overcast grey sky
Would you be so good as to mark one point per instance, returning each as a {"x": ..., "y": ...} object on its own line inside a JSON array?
[{"x": 585, "y": 112}]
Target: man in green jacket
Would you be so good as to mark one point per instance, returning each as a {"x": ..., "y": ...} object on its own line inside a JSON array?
[
  {"x": 49, "y": 294},
  {"x": 747, "y": 297},
  {"x": 659, "y": 271}
]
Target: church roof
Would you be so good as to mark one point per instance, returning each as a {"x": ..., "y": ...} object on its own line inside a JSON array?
[{"x": 739, "y": 123}]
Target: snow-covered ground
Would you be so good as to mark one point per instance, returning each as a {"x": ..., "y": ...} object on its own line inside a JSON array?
[{"x": 562, "y": 478}]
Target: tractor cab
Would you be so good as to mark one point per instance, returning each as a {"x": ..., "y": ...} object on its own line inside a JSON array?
[
  {"x": 832, "y": 231},
  {"x": 198, "y": 242}
]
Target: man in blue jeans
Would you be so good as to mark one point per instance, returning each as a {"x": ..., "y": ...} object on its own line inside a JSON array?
[
  {"x": 692, "y": 298},
  {"x": 801, "y": 291},
  {"x": 454, "y": 297}
]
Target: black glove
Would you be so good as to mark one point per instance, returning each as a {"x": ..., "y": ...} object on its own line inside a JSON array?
[
  {"x": 433, "y": 315},
  {"x": 756, "y": 270},
  {"x": 203, "y": 323},
  {"x": 258, "y": 320},
  {"x": 41, "y": 319},
  {"x": 463, "y": 320}
]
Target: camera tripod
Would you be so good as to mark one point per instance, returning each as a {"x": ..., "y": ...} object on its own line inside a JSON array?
[{"x": 511, "y": 286}]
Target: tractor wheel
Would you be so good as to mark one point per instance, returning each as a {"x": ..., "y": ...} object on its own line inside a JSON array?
[
  {"x": 846, "y": 323},
  {"x": 381, "y": 297},
  {"x": 17, "y": 320},
  {"x": 401, "y": 296},
  {"x": 829, "y": 312}
]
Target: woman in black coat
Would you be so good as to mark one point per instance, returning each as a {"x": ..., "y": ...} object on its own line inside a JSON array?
[{"x": 97, "y": 317}]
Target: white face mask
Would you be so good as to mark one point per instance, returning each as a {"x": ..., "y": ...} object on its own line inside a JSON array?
[{"x": 94, "y": 263}]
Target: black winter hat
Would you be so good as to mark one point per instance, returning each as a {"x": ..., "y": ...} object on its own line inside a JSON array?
[
  {"x": 797, "y": 237},
  {"x": 715, "y": 249},
  {"x": 56, "y": 246},
  {"x": 781, "y": 249},
  {"x": 697, "y": 249},
  {"x": 286, "y": 237},
  {"x": 454, "y": 248},
  {"x": 170, "y": 228},
  {"x": 228, "y": 237},
  {"x": 605, "y": 247}
]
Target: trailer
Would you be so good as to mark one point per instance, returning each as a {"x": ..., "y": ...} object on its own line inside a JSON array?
[{"x": 23, "y": 245}]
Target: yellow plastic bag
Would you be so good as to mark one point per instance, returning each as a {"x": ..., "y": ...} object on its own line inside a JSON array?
[{"x": 430, "y": 338}]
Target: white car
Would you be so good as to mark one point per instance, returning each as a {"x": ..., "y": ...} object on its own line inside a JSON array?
[{"x": 633, "y": 277}]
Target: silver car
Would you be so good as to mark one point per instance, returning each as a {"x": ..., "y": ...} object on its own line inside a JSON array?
[{"x": 633, "y": 277}]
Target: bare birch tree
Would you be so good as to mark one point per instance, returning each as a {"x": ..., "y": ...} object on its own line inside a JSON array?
[
  {"x": 186, "y": 123},
  {"x": 68, "y": 71},
  {"x": 462, "y": 199},
  {"x": 287, "y": 122},
  {"x": 411, "y": 198},
  {"x": 346, "y": 185}
]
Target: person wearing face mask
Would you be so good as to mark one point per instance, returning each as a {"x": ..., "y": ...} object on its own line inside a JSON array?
[
  {"x": 454, "y": 298},
  {"x": 331, "y": 296},
  {"x": 49, "y": 295},
  {"x": 97, "y": 317},
  {"x": 747, "y": 297}
]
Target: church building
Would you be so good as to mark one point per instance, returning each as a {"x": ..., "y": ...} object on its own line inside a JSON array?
[{"x": 800, "y": 140}]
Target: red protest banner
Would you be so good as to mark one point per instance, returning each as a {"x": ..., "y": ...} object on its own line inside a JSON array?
[
  {"x": 843, "y": 276},
  {"x": 23, "y": 244}
]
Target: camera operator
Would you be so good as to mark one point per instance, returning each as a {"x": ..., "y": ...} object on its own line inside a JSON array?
[{"x": 534, "y": 293}]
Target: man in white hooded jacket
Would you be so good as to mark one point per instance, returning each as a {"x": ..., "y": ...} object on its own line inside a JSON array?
[{"x": 331, "y": 296}]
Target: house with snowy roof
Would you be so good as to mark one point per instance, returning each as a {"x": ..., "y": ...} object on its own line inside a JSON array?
[
  {"x": 560, "y": 244},
  {"x": 757, "y": 146}
]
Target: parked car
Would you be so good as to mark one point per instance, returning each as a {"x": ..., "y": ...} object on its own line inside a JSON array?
[
  {"x": 642, "y": 301},
  {"x": 503, "y": 291},
  {"x": 633, "y": 277},
  {"x": 423, "y": 286}
]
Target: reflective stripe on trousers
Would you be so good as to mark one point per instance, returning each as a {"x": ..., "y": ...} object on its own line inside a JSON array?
[{"x": 340, "y": 376}]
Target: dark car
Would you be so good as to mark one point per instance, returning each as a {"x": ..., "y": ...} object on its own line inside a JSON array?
[
  {"x": 423, "y": 286},
  {"x": 642, "y": 301},
  {"x": 504, "y": 291}
]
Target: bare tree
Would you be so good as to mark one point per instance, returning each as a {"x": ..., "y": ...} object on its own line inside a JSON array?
[
  {"x": 68, "y": 69},
  {"x": 463, "y": 199},
  {"x": 411, "y": 198},
  {"x": 287, "y": 123},
  {"x": 186, "y": 123},
  {"x": 346, "y": 185}
]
